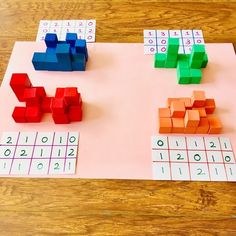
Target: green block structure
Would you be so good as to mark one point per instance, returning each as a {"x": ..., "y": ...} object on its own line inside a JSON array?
[{"x": 188, "y": 66}]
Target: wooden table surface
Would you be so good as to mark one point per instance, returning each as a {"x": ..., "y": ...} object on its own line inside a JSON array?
[{"x": 115, "y": 207}]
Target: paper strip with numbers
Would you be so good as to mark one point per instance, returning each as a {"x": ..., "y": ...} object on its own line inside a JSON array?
[
  {"x": 157, "y": 40},
  {"x": 85, "y": 29},
  {"x": 38, "y": 153},
  {"x": 193, "y": 158}
]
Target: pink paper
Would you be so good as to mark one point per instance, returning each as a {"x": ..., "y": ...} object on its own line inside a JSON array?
[{"x": 121, "y": 91}]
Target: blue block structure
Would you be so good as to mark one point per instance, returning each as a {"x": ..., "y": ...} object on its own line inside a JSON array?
[{"x": 68, "y": 55}]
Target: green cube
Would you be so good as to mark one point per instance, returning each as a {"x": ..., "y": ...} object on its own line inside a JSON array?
[
  {"x": 159, "y": 60},
  {"x": 173, "y": 45},
  {"x": 195, "y": 64},
  {"x": 171, "y": 64},
  {"x": 196, "y": 76},
  {"x": 183, "y": 64},
  {"x": 205, "y": 61},
  {"x": 198, "y": 52},
  {"x": 183, "y": 57},
  {"x": 183, "y": 76},
  {"x": 172, "y": 57}
]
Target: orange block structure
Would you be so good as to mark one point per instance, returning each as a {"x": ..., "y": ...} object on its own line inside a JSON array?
[
  {"x": 189, "y": 115},
  {"x": 177, "y": 109}
]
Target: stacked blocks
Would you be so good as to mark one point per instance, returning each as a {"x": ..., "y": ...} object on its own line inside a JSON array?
[
  {"x": 65, "y": 107},
  {"x": 188, "y": 66},
  {"x": 189, "y": 115},
  {"x": 69, "y": 55}
]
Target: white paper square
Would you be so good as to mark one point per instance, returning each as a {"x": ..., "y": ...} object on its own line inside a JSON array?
[
  {"x": 197, "y": 156},
  {"x": 217, "y": 172},
  {"x": 162, "y": 41},
  {"x": 187, "y": 33},
  {"x": 181, "y": 50},
  {"x": 23, "y": 152},
  {"x": 68, "y": 23},
  {"x": 159, "y": 142},
  {"x": 195, "y": 143},
  {"x": 198, "y": 33},
  {"x": 27, "y": 138},
  {"x": 59, "y": 152},
  {"x": 9, "y": 138},
  {"x": 56, "y": 166},
  {"x": 162, "y": 33},
  {"x": 149, "y": 33},
  {"x": 7, "y": 151},
  {"x": 42, "y": 152},
  {"x": 45, "y": 138},
  {"x": 178, "y": 156},
  {"x": 199, "y": 41},
  {"x": 70, "y": 166},
  {"x": 39, "y": 166},
  {"x": 44, "y": 23},
  {"x": 180, "y": 171},
  {"x": 231, "y": 171},
  {"x": 20, "y": 167},
  {"x": 177, "y": 142},
  {"x": 212, "y": 143},
  {"x": 5, "y": 166},
  {"x": 150, "y": 41},
  {"x": 214, "y": 157},
  {"x": 225, "y": 144},
  {"x": 228, "y": 157},
  {"x": 80, "y": 23},
  {"x": 91, "y": 23},
  {"x": 56, "y": 24},
  {"x": 187, "y": 49},
  {"x": 160, "y": 155},
  {"x": 161, "y": 49},
  {"x": 161, "y": 171},
  {"x": 71, "y": 152},
  {"x": 60, "y": 138},
  {"x": 73, "y": 138},
  {"x": 199, "y": 172},
  {"x": 150, "y": 50},
  {"x": 90, "y": 38},
  {"x": 188, "y": 41},
  {"x": 174, "y": 33}
]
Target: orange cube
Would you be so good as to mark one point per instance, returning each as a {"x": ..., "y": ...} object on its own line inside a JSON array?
[
  {"x": 177, "y": 109},
  {"x": 164, "y": 112},
  {"x": 170, "y": 100},
  {"x": 190, "y": 130},
  {"x": 215, "y": 124},
  {"x": 192, "y": 118},
  {"x": 198, "y": 99},
  {"x": 187, "y": 102},
  {"x": 202, "y": 111},
  {"x": 210, "y": 105},
  {"x": 203, "y": 126},
  {"x": 177, "y": 125},
  {"x": 165, "y": 125}
]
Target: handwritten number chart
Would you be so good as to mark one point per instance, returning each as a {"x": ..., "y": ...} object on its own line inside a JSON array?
[
  {"x": 157, "y": 40},
  {"x": 193, "y": 158},
  {"x": 85, "y": 29},
  {"x": 38, "y": 153}
]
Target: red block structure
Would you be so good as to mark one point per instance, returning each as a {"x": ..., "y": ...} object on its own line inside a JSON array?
[{"x": 65, "y": 107}]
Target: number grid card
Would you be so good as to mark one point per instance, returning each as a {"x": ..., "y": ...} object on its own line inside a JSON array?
[
  {"x": 38, "y": 153},
  {"x": 193, "y": 158},
  {"x": 157, "y": 40},
  {"x": 85, "y": 29}
]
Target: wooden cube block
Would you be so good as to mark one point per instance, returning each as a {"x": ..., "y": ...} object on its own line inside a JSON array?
[
  {"x": 177, "y": 109},
  {"x": 190, "y": 130},
  {"x": 187, "y": 102},
  {"x": 177, "y": 125},
  {"x": 170, "y": 100},
  {"x": 215, "y": 124},
  {"x": 164, "y": 112},
  {"x": 210, "y": 105},
  {"x": 192, "y": 118},
  {"x": 165, "y": 125},
  {"x": 203, "y": 126},
  {"x": 201, "y": 110},
  {"x": 198, "y": 98}
]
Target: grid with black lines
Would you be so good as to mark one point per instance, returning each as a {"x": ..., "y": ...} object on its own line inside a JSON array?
[
  {"x": 193, "y": 158},
  {"x": 38, "y": 153},
  {"x": 157, "y": 40},
  {"x": 85, "y": 29}
]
